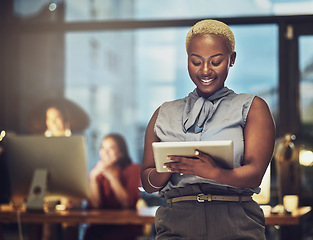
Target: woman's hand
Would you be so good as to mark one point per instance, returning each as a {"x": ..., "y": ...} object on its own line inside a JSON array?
[
  {"x": 95, "y": 198},
  {"x": 111, "y": 173},
  {"x": 201, "y": 165},
  {"x": 98, "y": 169},
  {"x": 108, "y": 171}
]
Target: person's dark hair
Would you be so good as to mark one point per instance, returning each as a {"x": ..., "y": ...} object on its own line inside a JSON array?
[
  {"x": 124, "y": 160},
  {"x": 62, "y": 109}
]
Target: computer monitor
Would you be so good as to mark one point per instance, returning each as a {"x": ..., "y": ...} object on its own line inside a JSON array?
[{"x": 42, "y": 168}]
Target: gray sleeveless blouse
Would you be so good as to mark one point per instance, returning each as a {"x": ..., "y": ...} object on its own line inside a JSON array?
[{"x": 222, "y": 116}]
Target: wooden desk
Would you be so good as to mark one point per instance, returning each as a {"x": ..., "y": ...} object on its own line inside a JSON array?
[
  {"x": 142, "y": 217},
  {"x": 96, "y": 216},
  {"x": 99, "y": 216},
  {"x": 283, "y": 220},
  {"x": 73, "y": 218},
  {"x": 289, "y": 225}
]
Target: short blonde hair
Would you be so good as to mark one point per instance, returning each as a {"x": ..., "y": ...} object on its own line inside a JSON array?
[{"x": 212, "y": 27}]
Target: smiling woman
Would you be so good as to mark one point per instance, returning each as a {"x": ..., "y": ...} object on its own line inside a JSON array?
[
  {"x": 113, "y": 184},
  {"x": 210, "y": 112}
]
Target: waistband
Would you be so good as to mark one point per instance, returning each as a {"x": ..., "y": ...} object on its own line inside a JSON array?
[
  {"x": 210, "y": 197},
  {"x": 206, "y": 189}
]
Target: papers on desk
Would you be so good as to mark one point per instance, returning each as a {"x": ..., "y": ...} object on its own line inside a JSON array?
[
  {"x": 147, "y": 211},
  {"x": 267, "y": 209}
]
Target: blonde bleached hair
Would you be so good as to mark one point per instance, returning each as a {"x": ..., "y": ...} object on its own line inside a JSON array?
[{"x": 212, "y": 27}]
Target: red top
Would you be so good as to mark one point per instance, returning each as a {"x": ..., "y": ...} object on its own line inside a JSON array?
[{"x": 130, "y": 179}]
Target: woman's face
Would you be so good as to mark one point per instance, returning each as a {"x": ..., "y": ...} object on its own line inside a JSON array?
[
  {"x": 208, "y": 63},
  {"x": 54, "y": 122},
  {"x": 109, "y": 151}
]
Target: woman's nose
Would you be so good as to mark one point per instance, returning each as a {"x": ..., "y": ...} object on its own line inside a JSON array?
[{"x": 206, "y": 69}]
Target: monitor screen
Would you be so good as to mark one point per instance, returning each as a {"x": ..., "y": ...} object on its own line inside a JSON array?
[{"x": 63, "y": 158}]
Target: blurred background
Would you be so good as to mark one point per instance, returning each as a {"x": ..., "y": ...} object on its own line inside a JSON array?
[{"x": 120, "y": 59}]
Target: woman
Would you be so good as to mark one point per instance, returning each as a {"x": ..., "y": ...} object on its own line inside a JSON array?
[
  {"x": 113, "y": 184},
  {"x": 210, "y": 112},
  {"x": 57, "y": 123}
]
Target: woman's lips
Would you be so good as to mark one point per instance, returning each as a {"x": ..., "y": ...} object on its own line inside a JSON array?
[{"x": 206, "y": 80}]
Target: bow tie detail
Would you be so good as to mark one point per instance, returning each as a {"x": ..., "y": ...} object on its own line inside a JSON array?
[{"x": 198, "y": 110}]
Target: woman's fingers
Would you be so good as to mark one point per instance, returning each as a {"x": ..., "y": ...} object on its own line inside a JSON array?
[
  {"x": 189, "y": 165},
  {"x": 177, "y": 163},
  {"x": 203, "y": 156}
]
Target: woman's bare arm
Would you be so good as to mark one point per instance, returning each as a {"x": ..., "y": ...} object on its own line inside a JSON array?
[{"x": 152, "y": 181}]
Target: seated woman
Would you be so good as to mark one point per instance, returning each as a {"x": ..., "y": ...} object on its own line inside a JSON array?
[{"x": 113, "y": 184}]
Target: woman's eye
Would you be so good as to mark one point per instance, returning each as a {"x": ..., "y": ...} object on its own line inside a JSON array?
[
  {"x": 216, "y": 63},
  {"x": 196, "y": 63}
]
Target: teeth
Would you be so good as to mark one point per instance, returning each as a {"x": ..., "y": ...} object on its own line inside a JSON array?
[{"x": 207, "y": 80}]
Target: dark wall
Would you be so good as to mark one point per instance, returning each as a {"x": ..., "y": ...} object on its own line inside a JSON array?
[{"x": 31, "y": 65}]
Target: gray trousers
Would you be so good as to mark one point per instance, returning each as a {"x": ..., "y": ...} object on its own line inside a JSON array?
[{"x": 214, "y": 220}]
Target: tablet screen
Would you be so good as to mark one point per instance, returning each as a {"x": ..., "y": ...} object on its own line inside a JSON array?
[{"x": 220, "y": 151}]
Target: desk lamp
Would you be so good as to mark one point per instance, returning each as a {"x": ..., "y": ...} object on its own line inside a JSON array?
[
  {"x": 293, "y": 161},
  {"x": 286, "y": 155}
]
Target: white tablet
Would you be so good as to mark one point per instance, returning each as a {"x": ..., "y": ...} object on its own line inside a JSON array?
[{"x": 220, "y": 151}]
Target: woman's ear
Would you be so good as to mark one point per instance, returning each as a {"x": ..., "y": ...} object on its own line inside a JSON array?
[{"x": 232, "y": 59}]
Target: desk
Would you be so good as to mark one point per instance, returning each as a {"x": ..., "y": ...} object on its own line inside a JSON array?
[
  {"x": 286, "y": 219},
  {"x": 142, "y": 217},
  {"x": 74, "y": 218},
  {"x": 101, "y": 216},
  {"x": 95, "y": 216},
  {"x": 290, "y": 225}
]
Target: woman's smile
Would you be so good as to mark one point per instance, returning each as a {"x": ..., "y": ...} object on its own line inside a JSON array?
[{"x": 206, "y": 79}]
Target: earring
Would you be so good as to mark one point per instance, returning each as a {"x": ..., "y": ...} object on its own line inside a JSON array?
[{"x": 231, "y": 64}]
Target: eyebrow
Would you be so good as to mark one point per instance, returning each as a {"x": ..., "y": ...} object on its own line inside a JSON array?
[{"x": 215, "y": 55}]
